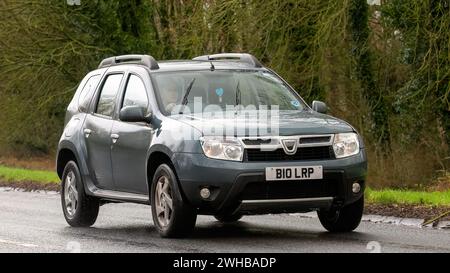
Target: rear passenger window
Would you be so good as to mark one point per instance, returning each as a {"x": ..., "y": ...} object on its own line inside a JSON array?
[
  {"x": 135, "y": 93},
  {"x": 107, "y": 101},
  {"x": 87, "y": 92}
]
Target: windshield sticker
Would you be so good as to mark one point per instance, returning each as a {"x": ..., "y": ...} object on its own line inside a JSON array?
[
  {"x": 219, "y": 92},
  {"x": 295, "y": 103}
]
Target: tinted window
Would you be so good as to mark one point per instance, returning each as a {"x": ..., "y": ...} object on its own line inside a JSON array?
[
  {"x": 87, "y": 92},
  {"x": 107, "y": 100},
  {"x": 135, "y": 93}
]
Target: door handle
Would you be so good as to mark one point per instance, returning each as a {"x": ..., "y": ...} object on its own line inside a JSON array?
[
  {"x": 87, "y": 132},
  {"x": 114, "y": 138}
]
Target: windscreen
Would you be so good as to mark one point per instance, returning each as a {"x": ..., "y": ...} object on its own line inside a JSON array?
[{"x": 221, "y": 90}]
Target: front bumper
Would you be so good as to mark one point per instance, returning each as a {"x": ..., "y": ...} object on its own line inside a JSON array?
[{"x": 242, "y": 185}]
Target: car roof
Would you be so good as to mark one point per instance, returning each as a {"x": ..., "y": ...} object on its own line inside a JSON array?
[
  {"x": 217, "y": 61},
  {"x": 183, "y": 65}
]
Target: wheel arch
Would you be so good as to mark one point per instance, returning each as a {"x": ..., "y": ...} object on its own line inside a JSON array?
[
  {"x": 65, "y": 155},
  {"x": 155, "y": 159},
  {"x": 67, "y": 151}
]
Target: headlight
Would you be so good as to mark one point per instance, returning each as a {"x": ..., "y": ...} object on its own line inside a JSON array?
[
  {"x": 345, "y": 145},
  {"x": 222, "y": 148}
]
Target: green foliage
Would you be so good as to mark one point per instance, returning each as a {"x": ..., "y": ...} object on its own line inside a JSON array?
[
  {"x": 47, "y": 47},
  {"x": 359, "y": 29},
  {"x": 385, "y": 69},
  {"x": 423, "y": 31}
]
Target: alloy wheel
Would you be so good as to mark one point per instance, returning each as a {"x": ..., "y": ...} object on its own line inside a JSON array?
[
  {"x": 163, "y": 201},
  {"x": 71, "y": 194}
]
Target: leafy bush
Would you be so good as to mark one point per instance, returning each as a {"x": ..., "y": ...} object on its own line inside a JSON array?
[{"x": 383, "y": 68}]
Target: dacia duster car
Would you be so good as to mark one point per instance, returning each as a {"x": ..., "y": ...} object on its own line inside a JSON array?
[{"x": 218, "y": 135}]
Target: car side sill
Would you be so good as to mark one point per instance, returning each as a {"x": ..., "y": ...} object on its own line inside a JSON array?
[{"x": 121, "y": 196}]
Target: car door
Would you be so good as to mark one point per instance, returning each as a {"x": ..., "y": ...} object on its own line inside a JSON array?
[
  {"x": 97, "y": 132},
  {"x": 129, "y": 152}
]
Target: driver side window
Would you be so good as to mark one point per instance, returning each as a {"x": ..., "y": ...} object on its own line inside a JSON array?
[{"x": 135, "y": 93}]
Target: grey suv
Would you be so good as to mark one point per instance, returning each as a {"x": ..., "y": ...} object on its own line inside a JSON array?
[{"x": 218, "y": 135}]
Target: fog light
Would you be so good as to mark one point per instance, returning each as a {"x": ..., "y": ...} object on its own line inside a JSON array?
[
  {"x": 356, "y": 188},
  {"x": 205, "y": 193}
]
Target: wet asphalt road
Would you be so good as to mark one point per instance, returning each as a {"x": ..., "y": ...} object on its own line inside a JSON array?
[{"x": 33, "y": 222}]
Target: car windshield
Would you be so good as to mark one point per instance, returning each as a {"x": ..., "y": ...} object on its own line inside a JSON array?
[{"x": 222, "y": 90}]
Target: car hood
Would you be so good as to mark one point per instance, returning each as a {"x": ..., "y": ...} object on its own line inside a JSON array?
[{"x": 262, "y": 123}]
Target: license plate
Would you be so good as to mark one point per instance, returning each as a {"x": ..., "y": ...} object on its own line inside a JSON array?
[{"x": 294, "y": 173}]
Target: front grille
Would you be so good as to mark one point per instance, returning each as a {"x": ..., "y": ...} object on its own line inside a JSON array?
[
  {"x": 257, "y": 141},
  {"x": 314, "y": 140},
  {"x": 303, "y": 153},
  {"x": 290, "y": 189}
]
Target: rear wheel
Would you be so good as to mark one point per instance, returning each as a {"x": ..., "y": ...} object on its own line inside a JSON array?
[
  {"x": 228, "y": 218},
  {"x": 345, "y": 219},
  {"x": 80, "y": 210},
  {"x": 173, "y": 218}
]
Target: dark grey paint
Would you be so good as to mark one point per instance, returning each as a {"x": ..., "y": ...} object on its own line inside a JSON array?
[
  {"x": 134, "y": 113},
  {"x": 98, "y": 144},
  {"x": 129, "y": 156},
  {"x": 290, "y": 123},
  {"x": 116, "y": 154}
]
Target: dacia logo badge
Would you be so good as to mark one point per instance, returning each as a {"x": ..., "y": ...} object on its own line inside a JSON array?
[{"x": 289, "y": 146}]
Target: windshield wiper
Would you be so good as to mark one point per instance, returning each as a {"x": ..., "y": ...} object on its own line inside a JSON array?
[
  {"x": 238, "y": 95},
  {"x": 186, "y": 95}
]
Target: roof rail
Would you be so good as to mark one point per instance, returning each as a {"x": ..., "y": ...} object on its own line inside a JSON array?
[
  {"x": 145, "y": 60},
  {"x": 243, "y": 57}
]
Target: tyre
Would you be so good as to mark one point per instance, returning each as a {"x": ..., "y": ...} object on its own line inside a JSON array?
[
  {"x": 172, "y": 217},
  {"x": 345, "y": 219},
  {"x": 80, "y": 210},
  {"x": 228, "y": 218}
]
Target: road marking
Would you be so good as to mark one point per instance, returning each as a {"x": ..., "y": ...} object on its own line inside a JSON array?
[{"x": 8, "y": 242}]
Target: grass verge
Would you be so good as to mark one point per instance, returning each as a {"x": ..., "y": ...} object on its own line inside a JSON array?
[
  {"x": 9, "y": 174},
  {"x": 408, "y": 197}
]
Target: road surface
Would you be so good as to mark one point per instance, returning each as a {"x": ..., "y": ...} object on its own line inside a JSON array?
[{"x": 33, "y": 222}]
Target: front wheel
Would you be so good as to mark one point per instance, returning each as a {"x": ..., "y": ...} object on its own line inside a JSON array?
[
  {"x": 345, "y": 219},
  {"x": 80, "y": 210},
  {"x": 173, "y": 218}
]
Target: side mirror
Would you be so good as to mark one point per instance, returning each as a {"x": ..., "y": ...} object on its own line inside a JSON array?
[
  {"x": 134, "y": 114},
  {"x": 319, "y": 107}
]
